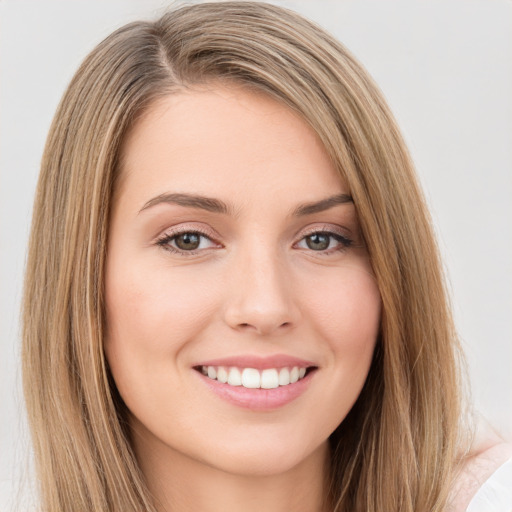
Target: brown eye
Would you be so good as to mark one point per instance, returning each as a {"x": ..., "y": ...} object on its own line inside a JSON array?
[
  {"x": 325, "y": 242},
  {"x": 187, "y": 241},
  {"x": 318, "y": 241}
]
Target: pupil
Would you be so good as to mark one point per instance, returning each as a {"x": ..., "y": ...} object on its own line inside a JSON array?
[
  {"x": 188, "y": 241},
  {"x": 318, "y": 242}
]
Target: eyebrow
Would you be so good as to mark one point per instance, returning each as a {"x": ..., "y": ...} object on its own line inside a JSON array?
[
  {"x": 322, "y": 205},
  {"x": 189, "y": 200},
  {"x": 216, "y": 206}
]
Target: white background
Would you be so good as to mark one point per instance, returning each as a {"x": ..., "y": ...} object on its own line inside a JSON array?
[{"x": 445, "y": 67}]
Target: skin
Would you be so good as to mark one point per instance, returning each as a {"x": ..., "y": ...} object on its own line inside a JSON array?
[
  {"x": 488, "y": 452},
  {"x": 253, "y": 287}
]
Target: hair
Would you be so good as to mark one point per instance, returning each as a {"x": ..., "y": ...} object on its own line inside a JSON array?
[{"x": 398, "y": 446}]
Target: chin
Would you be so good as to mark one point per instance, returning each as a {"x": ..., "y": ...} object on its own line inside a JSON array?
[{"x": 265, "y": 459}]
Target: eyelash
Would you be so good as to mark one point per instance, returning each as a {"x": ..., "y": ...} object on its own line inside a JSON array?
[
  {"x": 165, "y": 240},
  {"x": 344, "y": 242}
]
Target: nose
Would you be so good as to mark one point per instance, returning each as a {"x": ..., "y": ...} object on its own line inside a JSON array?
[{"x": 260, "y": 296}]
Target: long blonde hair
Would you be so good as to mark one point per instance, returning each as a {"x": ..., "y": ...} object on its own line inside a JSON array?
[{"x": 396, "y": 448}]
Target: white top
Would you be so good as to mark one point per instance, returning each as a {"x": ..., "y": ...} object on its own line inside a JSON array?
[{"x": 495, "y": 495}]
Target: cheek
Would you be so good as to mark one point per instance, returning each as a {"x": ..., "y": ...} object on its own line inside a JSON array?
[
  {"x": 150, "y": 321},
  {"x": 155, "y": 309},
  {"x": 346, "y": 312},
  {"x": 347, "y": 309}
]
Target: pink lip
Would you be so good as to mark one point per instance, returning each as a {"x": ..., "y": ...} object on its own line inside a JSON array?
[
  {"x": 258, "y": 362},
  {"x": 257, "y": 399}
]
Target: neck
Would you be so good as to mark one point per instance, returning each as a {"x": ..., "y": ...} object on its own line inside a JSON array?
[{"x": 182, "y": 484}]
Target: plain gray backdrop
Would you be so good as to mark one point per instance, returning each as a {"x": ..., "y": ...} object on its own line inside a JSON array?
[{"x": 445, "y": 67}]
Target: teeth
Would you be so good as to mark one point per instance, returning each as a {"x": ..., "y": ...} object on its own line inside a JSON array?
[
  {"x": 284, "y": 377},
  {"x": 234, "y": 377},
  {"x": 251, "y": 378},
  {"x": 269, "y": 379},
  {"x": 222, "y": 374}
]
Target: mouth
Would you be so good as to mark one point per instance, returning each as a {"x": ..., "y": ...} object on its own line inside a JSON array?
[
  {"x": 257, "y": 384},
  {"x": 254, "y": 378}
]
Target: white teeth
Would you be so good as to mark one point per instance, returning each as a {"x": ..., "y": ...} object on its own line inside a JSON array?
[
  {"x": 252, "y": 378},
  {"x": 269, "y": 379},
  {"x": 284, "y": 377},
  {"x": 222, "y": 374},
  {"x": 234, "y": 377}
]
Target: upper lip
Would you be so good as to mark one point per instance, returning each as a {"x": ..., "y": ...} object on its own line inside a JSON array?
[{"x": 259, "y": 362}]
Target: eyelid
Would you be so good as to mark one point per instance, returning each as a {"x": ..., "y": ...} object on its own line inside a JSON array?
[
  {"x": 168, "y": 234},
  {"x": 325, "y": 228},
  {"x": 337, "y": 232}
]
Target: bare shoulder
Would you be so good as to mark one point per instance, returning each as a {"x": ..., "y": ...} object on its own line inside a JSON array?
[{"x": 488, "y": 453}]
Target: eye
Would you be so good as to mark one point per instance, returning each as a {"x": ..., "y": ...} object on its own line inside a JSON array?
[
  {"x": 324, "y": 241},
  {"x": 185, "y": 242}
]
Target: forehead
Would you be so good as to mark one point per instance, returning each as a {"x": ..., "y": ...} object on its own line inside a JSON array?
[{"x": 225, "y": 142}]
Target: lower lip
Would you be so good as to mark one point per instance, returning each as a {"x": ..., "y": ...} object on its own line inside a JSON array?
[{"x": 258, "y": 399}]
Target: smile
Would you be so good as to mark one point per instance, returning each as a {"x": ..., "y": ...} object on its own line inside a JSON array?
[
  {"x": 256, "y": 383},
  {"x": 252, "y": 378}
]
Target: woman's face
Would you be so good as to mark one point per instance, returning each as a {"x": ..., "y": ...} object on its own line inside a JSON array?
[{"x": 234, "y": 250}]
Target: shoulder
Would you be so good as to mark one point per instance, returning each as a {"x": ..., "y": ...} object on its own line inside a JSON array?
[
  {"x": 484, "y": 480},
  {"x": 496, "y": 493}
]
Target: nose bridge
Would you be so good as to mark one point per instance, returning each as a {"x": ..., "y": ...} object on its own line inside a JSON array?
[{"x": 260, "y": 296}]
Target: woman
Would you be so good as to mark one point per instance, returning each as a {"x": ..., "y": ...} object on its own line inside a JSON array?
[{"x": 233, "y": 293}]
